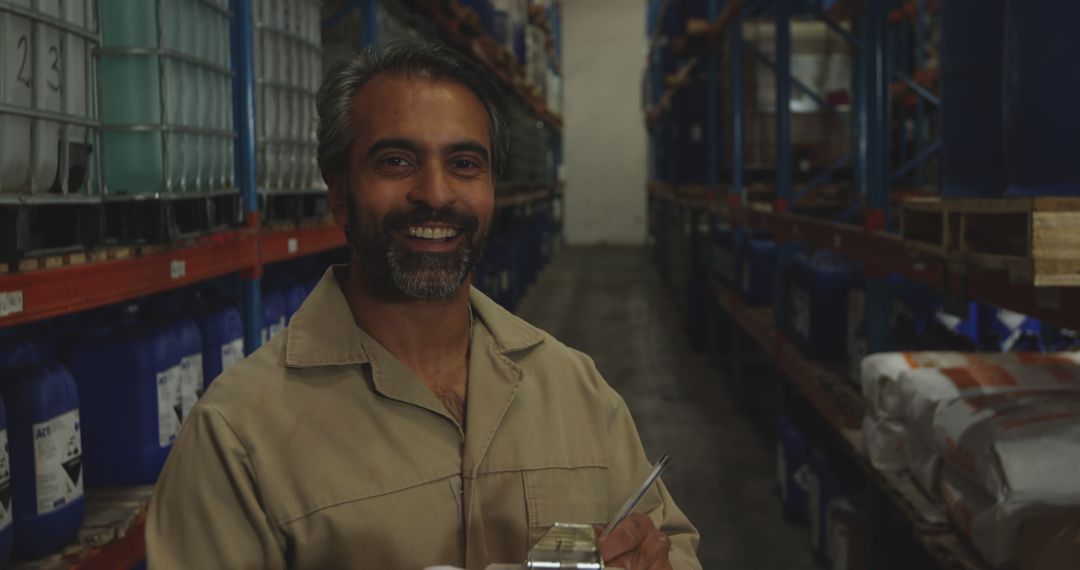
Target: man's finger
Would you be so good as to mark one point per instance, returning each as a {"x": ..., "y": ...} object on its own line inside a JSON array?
[
  {"x": 625, "y": 537},
  {"x": 654, "y": 551}
]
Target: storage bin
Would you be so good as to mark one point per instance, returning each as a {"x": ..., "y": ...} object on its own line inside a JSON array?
[
  {"x": 758, "y": 272},
  {"x": 49, "y": 128},
  {"x": 822, "y": 487},
  {"x": 1042, "y": 85},
  {"x": 223, "y": 341},
  {"x": 129, "y": 379},
  {"x": 972, "y": 136},
  {"x": 791, "y": 466},
  {"x": 288, "y": 72},
  {"x": 190, "y": 344},
  {"x": 689, "y": 111},
  {"x": 294, "y": 298},
  {"x": 46, "y": 456},
  {"x": 166, "y": 97},
  {"x": 7, "y": 529},
  {"x": 818, "y": 288},
  {"x": 274, "y": 319}
]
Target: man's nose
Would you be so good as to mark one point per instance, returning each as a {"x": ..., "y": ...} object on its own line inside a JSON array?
[{"x": 432, "y": 188}]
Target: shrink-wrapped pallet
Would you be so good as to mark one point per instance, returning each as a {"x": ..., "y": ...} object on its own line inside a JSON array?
[
  {"x": 884, "y": 430},
  {"x": 1011, "y": 460}
]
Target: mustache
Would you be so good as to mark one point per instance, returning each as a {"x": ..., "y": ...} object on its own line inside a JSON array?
[{"x": 396, "y": 221}]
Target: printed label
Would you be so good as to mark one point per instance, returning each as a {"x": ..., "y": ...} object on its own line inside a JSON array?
[
  {"x": 168, "y": 391},
  {"x": 177, "y": 268},
  {"x": 11, "y": 303},
  {"x": 191, "y": 383},
  {"x": 58, "y": 462},
  {"x": 5, "y": 482},
  {"x": 231, "y": 353}
]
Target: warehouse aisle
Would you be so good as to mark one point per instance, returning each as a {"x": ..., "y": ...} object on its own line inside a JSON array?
[{"x": 609, "y": 302}]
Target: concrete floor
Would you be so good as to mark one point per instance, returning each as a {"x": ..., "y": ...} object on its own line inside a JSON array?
[{"x": 610, "y": 303}]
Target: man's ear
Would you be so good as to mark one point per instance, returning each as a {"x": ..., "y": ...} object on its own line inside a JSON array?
[{"x": 338, "y": 201}]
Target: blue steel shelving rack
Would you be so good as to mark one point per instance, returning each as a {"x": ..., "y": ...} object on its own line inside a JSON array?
[{"x": 870, "y": 116}]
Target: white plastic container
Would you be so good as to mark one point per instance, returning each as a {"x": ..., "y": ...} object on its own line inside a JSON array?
[
  {"x": 288, "y": 71},
  {"x": 47, "y": 82},
  {"x": 166, "y": 95}
]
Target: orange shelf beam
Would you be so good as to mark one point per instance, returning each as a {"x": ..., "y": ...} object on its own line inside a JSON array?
[
  {"x": 882, "y": 252},
  {"x": 41, "y": 294},
  {"x": 282, "y": 245}
]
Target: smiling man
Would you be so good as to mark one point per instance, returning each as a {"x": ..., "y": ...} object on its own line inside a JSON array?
[{"x": 403, "y": 419}]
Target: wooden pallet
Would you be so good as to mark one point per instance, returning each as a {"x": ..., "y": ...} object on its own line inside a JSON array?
[
  {"x": 282, "y": 206},
  {"x": 170, "y": 219},
  {"x": 1037, "y": 240},
  {"x": 53, "y": 228}
]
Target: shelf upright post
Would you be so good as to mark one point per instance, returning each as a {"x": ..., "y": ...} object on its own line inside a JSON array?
[
  {"x": 370, "y": 32},
  {"x": 782, "y": 15},
  {"x": 878, "y": 93},
  {"x": 737, "y": 199},
  {"x": 782, "y": 74},
  {"x": 737, "y": 109},
  {"x": 243, "y": 63},
  {"x": 878, "y": 298},
  {"x": 879, "y": 175},
  {"x": 920, "y": 61},
  {"x": 876, "y": 184},
  {"x": 859, "y": 88},
  {"x": 712, "y": 140}
]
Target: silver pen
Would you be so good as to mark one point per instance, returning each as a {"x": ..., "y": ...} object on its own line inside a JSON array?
[{"x": 633, "y": 500}]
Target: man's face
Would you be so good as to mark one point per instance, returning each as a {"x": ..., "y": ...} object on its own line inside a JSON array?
[{"x": 418, "y": 196}]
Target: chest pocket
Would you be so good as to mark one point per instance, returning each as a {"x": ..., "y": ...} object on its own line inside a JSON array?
[{"x": 573, "y": 495}]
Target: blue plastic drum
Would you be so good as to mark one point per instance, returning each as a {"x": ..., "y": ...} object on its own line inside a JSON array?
[
  {"x": 274, "y": 318},
  {"x": 973, "y": 142},
  {"x": 7, "y": 529},
  {"x": 223, "y": 341},
  {"x": 46, "y": 455},
  {"x": 131, "y": 406},
  {"x": 758, "y": 272},
  {"x": 1042, "y": 88}
]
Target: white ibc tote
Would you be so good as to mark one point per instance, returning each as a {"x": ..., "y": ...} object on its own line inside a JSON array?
[
  {"x": 48, "y": 118},
  {"x": 166, "y": 94},
  {"x": 288, "y": 71}
]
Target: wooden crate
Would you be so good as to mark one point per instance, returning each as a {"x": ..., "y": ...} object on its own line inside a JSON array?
[{"x": 1037, "y": 240}]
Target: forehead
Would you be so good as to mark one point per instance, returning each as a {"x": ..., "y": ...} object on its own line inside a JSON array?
[{"x": 425, "y": 110}]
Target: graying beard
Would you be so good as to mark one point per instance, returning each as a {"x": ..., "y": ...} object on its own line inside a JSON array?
[{"x": 429, "y": 279}]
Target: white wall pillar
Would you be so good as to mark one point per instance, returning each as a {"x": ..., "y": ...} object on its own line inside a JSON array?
[{"x": 605, "y": 139}]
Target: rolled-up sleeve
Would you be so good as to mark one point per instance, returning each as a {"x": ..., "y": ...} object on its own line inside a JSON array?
[{"x": 206, "y": 511}]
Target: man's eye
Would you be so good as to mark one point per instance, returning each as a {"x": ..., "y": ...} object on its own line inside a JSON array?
[
  {"x": 465, "y": 164},
  {"x": 395, "y": 161}
]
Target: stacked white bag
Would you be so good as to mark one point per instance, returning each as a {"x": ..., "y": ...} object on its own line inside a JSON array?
[
  {"x": 900, "y": 387},
  {"x": 1010, "y": 460},
  {"x": 923, "y": 391}
]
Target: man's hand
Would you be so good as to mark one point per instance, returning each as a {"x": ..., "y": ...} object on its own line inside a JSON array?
[{"x": 636, "y": 544}]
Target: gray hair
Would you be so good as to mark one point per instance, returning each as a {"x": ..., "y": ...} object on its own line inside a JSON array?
[{"x": 405, "y": 58}]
